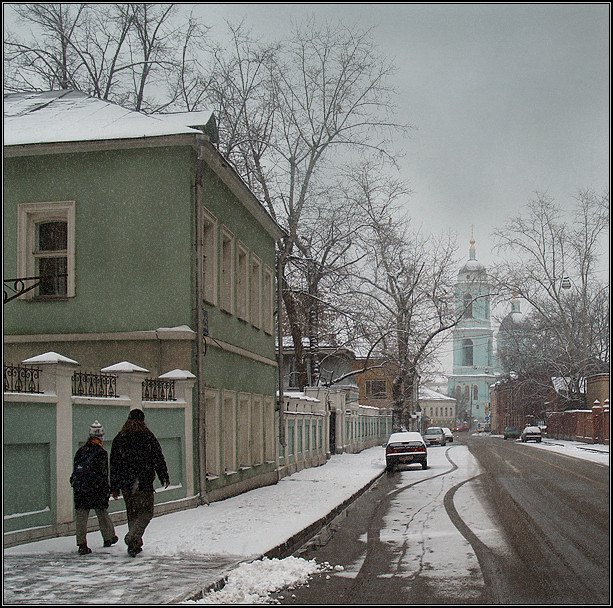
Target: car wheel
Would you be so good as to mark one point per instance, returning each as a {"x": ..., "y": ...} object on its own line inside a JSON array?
[
  {"x": 538, "y": 441},
  {"x": 424, "y": 465},
  {"x": 505, "y": 438},
  {"x": 389, "y": 468}
]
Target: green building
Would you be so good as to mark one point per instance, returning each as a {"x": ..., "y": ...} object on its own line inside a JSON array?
[{"x": 129, "y": 238}]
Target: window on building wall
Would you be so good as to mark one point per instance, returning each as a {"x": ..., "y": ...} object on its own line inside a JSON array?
[
  {"x": 490, "y": 353},
  {"x": 46, "y": 248},
  {"x": 213, "y": 444},
  {"x": 475, "y": 392},
  {"x": 467, "y": 393},
  {"x": 209, "y": 253},
  {"x": 267, "y": 300},
  {"x": 244, "y": 430},
  {"x": 255, "y": 292},
  {"x": 468, "y": 306},
  {"x": 376, "y": 389},
  {"x": 467, "y": 352},
  {"x": 229, "y": 431},
  {"x": 242, "y": 281},
  {"x": 458, "y": 393},
  {"x": 227, "y": 271}
]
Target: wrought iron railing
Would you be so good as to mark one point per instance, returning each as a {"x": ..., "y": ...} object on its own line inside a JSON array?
[
  {"x": 86, "y": 384},
  {"x": 21, "y": 379},
  {"x": 158, "y": 390},
  {"x": 13, "y": 288}
]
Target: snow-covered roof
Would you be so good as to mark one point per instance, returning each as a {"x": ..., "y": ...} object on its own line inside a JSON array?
[
  {"x": 563, "y": 384},
  {"x": 71, "y": 116},
  {"x": 427, "y": 394},
  {"x": 299, "y": 395}
]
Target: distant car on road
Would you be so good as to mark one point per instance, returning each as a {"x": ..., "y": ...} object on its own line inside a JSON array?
[
  {"x": 484, "y": 427},
  {"x": 531, "y": 433},
  {"x": 405, "y": 448},
  {"x": 435, "y": 435},
  {"x": 448, "y": 434},
  {"x": 511, "y": 432}
]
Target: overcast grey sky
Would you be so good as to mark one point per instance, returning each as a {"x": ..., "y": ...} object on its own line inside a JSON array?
[{"x": 506, "y": 99}]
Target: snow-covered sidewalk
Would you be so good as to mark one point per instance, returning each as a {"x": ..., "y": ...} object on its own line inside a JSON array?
[{"x": 237, "y": 530}]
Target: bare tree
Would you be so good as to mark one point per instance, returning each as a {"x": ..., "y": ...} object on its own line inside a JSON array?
[
  {"x": 552, "y": 264},
  {"x": 136, "y": 54},
  {"x": 292, "y": 110},
  {"x": 407, "y": 283}
]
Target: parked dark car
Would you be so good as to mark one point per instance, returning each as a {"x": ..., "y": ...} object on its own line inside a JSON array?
[
  {"x": 531, "y": 433},
  {"x": 435, "y": 435},
  {"x": 405, "y": 448},
  {"x": 511, "y": 432}
]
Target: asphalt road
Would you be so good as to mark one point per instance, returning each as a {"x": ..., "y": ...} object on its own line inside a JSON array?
[{"x": 552, "y": 512}]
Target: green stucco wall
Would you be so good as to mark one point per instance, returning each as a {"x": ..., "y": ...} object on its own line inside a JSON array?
[
  {"x": 29, "y": 478},
  {"x": 134, "y": 235}
]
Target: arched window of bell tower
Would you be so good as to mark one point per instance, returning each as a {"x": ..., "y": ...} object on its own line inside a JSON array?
[
  {"x": 467, "y": 352},
  {"x": 475, "y": 392},
  {"x": 468, "y": 306}
]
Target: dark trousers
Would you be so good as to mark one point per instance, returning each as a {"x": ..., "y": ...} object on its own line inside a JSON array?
[
  {"x": 106, "y": 525},
  {"x": 139, "y": 509}
]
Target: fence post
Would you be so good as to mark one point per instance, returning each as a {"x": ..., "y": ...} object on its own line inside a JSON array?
[
  {"x": 184, "y": 384},
  {"x": 129, "y": 381},
  {"x": 597, "y": 419},
  {"x": 56, "y": 379}
]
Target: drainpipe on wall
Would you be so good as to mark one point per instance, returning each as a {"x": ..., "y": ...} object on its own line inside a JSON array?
[
  {"x": 280, "y": 260},
  {"x": 200, "y": 346}
]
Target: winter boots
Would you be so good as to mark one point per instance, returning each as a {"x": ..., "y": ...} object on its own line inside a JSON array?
[
  {"x": 84, "y": 549},
  {"x": 109, "y": 543}
]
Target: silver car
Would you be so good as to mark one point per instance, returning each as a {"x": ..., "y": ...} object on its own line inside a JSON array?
[
  {"x": 435, "y": 435},
  {"x": 531, "y": 433}
]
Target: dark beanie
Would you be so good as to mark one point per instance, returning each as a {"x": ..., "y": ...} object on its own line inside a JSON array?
[{"x": 136, "y": 415}]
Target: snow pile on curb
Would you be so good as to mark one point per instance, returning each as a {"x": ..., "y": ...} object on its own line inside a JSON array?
[{"x": 252, "y": 582}]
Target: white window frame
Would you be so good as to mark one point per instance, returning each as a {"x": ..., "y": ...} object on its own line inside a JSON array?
[
  {"x": 209, "y": 252},
  {"x": 28, "y": 216},
  {"x": 229, "y": 431},
  {"x": 255, "y": 291},
  {"x": 267, "y": 299},
  {"x": 212, "y": 442},
  {"x": 242, "y": 281},
  {"x": 226, "y": 295}
]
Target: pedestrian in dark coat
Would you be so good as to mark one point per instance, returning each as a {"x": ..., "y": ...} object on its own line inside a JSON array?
[
  {"x": 136, "y": 457},
  {"x": 91, "y": 490}
]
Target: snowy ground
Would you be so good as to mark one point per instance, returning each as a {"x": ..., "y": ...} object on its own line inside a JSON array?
[{"x": 253, "y": 523}]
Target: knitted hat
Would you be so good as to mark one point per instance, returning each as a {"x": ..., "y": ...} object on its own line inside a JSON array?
[
  {"x": 96, "y": 430},
  {"x": 136, "y": 414}
]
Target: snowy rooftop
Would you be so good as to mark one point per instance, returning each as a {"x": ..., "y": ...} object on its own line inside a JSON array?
[
  {"x": 70, "y": 116},
  {"x": 427, "y": 394}
]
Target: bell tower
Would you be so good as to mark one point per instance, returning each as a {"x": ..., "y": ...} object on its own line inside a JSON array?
[{"x": 474, "y": 366}]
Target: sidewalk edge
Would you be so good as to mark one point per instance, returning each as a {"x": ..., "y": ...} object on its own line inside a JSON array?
[{"x": 286, "y": 548}]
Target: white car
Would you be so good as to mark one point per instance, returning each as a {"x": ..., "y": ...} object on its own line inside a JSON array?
[
  {"x": 531, "y": 433},
  {"x": 448, "y": 434},
  {"x": 405, "y": 448}
]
